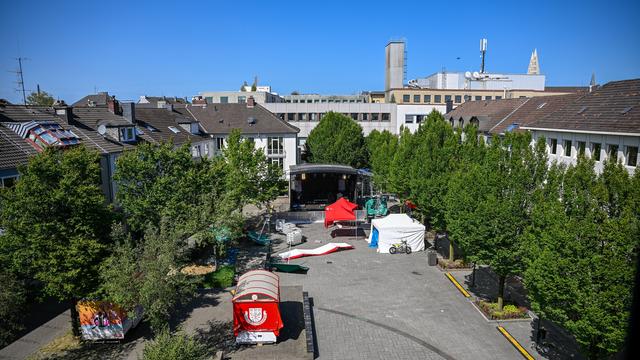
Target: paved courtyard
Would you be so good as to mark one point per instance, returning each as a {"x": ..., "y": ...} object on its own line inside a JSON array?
[{"x": 379, "y": 306}]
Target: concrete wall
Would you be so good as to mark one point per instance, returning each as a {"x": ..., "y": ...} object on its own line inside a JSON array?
[
  {"x": 604, "y": 140},
  {"x": 261, "y": 97},
  {"x": 394, "y": 65}
]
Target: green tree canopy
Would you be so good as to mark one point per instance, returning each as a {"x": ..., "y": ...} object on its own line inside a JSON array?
[
  {"x": 381, "y": 147},
  {"x": 41, "y": 98},
  {"x": 337, "y": 139},
  {"x": 401, "y": 172},
  {"x": 57, "y": 223},
  {"x": 583, "y": 249}
]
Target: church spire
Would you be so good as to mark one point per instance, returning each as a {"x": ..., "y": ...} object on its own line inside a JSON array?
[{"x": 534, "y": 68}]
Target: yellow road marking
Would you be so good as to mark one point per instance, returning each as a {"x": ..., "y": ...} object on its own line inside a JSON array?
[
  {"x": 515, "y": 343},
  {"x": 457, "y": 284}
]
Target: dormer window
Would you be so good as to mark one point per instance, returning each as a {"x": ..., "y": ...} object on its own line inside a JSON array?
[
  {"x": 127, "y": 134},
  {"x": 174, "y": 129}
]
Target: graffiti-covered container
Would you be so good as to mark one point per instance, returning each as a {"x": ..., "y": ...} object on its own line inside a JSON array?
[
  {"x": 102, "y": 320},
  {"x": 256, "y": 312}
]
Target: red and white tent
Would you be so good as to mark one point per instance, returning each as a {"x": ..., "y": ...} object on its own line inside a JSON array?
[{"x": 342, "y": 209}]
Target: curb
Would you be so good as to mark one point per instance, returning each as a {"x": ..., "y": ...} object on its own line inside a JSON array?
[
  {"x": 457, "y": 285},
  {"x": 515, "y": 343}
]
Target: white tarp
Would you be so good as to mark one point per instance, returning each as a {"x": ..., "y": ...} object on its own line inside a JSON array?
[{"x": 394, "y": 228}]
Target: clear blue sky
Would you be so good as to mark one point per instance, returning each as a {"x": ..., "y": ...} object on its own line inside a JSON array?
[{"x": 182, "y": 48}]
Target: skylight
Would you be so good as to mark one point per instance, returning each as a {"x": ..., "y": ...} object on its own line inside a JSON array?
[
  {"x": 151, "y": 128},
  {"x": 174, "y": 129},
  {"x": 583, "y": 109},
  {"x": 541, "y": 105},
  {"x": 512, "y": 127}
]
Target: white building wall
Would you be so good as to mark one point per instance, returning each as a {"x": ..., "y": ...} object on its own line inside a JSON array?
[
  {"x": 414, "y": 112},
  {"x": 622, "y": 141}
]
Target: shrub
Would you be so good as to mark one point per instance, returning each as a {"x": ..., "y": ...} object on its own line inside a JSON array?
[
  {"x": 178, "y": 346},
  {"x": 221, "y": 278},
  {"x": 509, "y": 311}
]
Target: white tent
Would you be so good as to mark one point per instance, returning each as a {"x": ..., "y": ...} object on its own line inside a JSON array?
[{"x": 393, "y": 229}]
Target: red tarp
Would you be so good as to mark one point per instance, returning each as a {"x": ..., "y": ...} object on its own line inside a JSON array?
[{"x": 342, "y": 209}]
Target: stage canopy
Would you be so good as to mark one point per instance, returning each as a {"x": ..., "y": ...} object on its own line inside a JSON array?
[{"x": 342, "y": 209}]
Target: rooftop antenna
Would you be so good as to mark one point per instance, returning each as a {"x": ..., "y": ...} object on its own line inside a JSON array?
[
  {"x": 20, "y": 81},
  {"x": 483, "y": 51}
]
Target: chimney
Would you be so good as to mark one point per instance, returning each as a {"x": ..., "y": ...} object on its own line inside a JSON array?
[
  {"x": 449, "y": 106},
  {"x": 251, "y": 102},
  {"x": 114, "y": 105},
  {"x": 65, "y": 112},
  {"x": 129, "y": 112}
]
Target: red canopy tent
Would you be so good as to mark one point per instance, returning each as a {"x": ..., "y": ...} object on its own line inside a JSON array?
[{"x": 342, "y": 209}]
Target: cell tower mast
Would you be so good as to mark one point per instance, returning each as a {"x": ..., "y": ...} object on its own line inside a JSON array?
[{"x": 483, "y": 51}]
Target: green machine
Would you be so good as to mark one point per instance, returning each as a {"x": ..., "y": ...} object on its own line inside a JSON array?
[{"x": 376, "y": 207}]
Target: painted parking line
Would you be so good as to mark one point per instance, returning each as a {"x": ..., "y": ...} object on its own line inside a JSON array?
[
  {"x": 457, "y": 284},
  {"x": 515, "y": 343}
]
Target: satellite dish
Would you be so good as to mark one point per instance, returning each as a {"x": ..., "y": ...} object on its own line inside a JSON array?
[
  {"x": 102, "y": 129},
  {"x": 476, "y": 74},
  {"x": 467, "y": 74}
]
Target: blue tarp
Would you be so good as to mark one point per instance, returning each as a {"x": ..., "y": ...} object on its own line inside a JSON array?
[{"x": 374, "y": 238}]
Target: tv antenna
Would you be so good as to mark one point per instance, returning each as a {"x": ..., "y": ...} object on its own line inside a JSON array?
[
  {"x": 20, "y": 80},
  {"x": 483, "y": 51}
]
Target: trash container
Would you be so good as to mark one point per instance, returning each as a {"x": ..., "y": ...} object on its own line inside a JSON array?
[{"x": 432, "y": 257}]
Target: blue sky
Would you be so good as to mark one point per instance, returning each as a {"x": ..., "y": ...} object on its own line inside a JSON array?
[{"x": 182, "y": 48}]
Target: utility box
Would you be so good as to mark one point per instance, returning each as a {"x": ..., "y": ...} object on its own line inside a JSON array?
[{"x": 432, "y": 257}]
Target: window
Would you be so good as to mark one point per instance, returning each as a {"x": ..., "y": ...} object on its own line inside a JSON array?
[
  {"x": 291, "y": 116},
  {"x": 242, "y": 99},
  {"x": 208, "y": 99},
  {"x": 498, "y": 97},
  {"x": 447, "y": 98},
  {"x": 279, "y": 162},
  {"x": 595, "y": 151},
  {"x": 406, "y": 98},
  {"x": 419, "y": 119},
  {"x": 281, "y": 116},
  {"x": 632, "y": 155},
  {"x": 458, "y": 99},
  {"x": 275, "y": 146},
  {"x": 174, "y": 129},
  {"x": 385, "y": 116},
  {"x": 581, "y": 148},
  {"x": 354, "y": 116},
  {"x": 427, "y": 99},
  {"x": 128, "y": 134},
  {"x": 302, "y": 116},
  {"x": 613, "y": 152},
  {"x": 224, "y": 99},
  {"x": 437, "y": 99},
  {"x": 313, "y": 117},
  {"x": 206, "y": 149},
  {"x": 467, "y": 98},
  {"x": 408, "y": 119},
  {"x": 416, "y": 98},
  {"x": 365, "y": 117},
  {"x": 375, "y": 117},
  {"x": 320, "y": 116},
  {"x": 554, "y": 145},
  {"x": 477, "y": 98},
  {"x": 295, "y": 101},
  {"x": 567, "y": 148},
  {"x": 219, "y": 143},
  {"x": 8, "y": 181},
  {"x": 487, "y": 97}
]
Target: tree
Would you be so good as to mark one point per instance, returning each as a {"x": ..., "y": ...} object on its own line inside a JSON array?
[
  {"x": 13, "y": 299},
  {"x": 41, "y": 98},
  {"x": 161, "y": 180},
  {"x": 381, "y": 147},
  {"x": 337, "y": 140},
  {"x": 580, "y": 271},
  {"x": 243, "y": 87},
  {"x": 254, "y": 86},
  {"x": 401, "y": 172},
  {"x": 434, "y": 162},
  {"x": 147, "y": 274},
  {"x": 57, "y": 224},
  {"x": 178, "y": 346}
]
